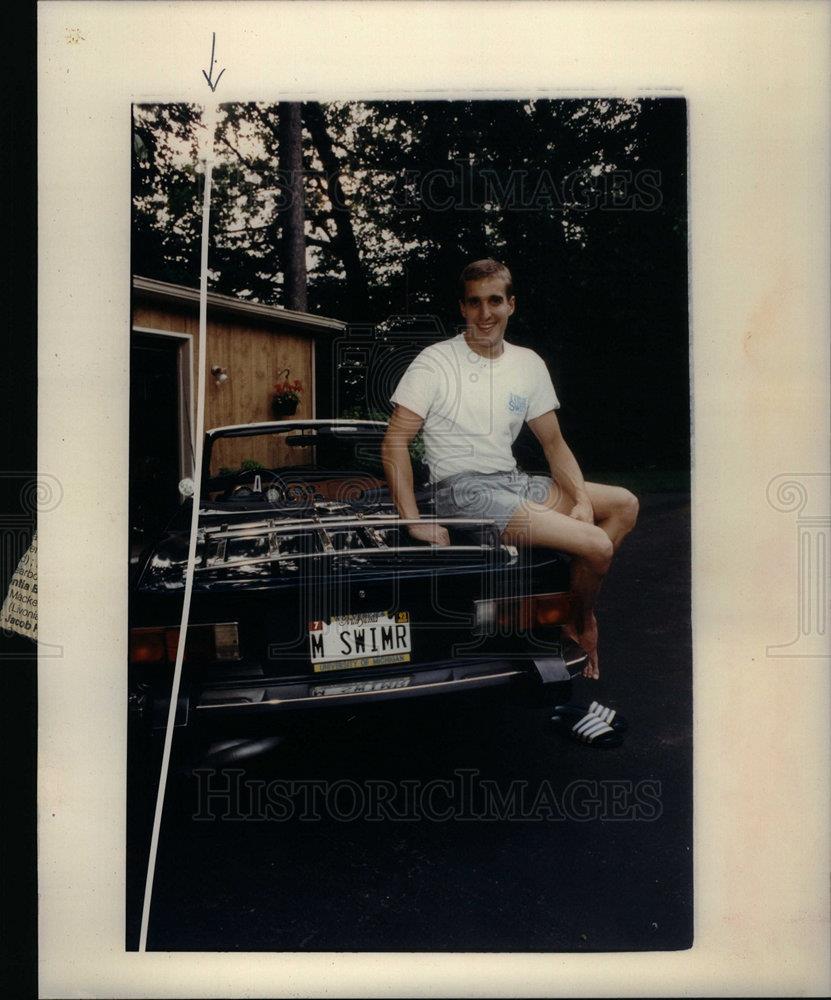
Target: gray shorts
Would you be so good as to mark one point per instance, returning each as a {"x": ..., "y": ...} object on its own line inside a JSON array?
[{"x": 491, "y": 495}]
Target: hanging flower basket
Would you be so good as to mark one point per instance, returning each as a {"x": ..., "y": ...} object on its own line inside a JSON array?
[
  {"x": 286, "y": 396},
  {"x": 284, "y": 407}
]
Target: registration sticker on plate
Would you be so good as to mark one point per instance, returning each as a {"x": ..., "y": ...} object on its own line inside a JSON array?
[{"x": 374, "y": 639}]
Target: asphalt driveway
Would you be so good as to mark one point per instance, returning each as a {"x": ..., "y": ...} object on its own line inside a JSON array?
[{"x": 430, "y": 832}]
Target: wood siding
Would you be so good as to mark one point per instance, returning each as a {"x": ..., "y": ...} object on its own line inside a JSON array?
[{"x": 254, "y": 354}]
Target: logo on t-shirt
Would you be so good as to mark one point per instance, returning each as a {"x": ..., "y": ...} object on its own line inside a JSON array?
[{"x": 517, "y": 404}]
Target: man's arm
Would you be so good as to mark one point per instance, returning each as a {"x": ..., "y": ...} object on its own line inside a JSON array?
[
  {"x": 395, "y": 454},
  {"x": 564, "y": 468}
]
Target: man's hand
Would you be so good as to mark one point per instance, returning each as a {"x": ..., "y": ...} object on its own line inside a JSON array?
[
  {"x": 433, "y": 534},
  {"x": 563, "y": 465},
  {"x": 582, "y": 511}
]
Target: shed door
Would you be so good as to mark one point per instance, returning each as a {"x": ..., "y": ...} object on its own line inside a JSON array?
[{"x": 155, "y": 437}]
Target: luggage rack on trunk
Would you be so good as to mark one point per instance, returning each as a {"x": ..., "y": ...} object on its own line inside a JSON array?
[{"x": 365, "y": 537}]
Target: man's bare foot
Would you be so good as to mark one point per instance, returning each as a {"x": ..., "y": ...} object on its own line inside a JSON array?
[
  {"x": 588, "y": 640},
  {"x": 585, "y": 635}
]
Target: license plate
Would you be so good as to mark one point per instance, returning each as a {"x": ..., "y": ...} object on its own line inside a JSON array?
[{"x": 374, "y": 639}]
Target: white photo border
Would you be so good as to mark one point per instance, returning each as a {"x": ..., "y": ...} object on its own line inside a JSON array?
[{"x": 756, "y": 77}]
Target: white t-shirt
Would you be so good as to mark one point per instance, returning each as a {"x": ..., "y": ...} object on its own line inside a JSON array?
[{"x": 474, "y": 407}]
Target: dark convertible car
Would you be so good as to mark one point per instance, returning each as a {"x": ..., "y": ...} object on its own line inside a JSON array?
[{"x": 310, "y": 596}]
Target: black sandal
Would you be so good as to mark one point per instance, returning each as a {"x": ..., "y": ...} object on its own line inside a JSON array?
[
  {"x": 588, "y": 728},
  {"x": 608, "y": 715}
]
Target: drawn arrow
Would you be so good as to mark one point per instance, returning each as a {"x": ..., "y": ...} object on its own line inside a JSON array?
[{"x": 212, "y": 83}]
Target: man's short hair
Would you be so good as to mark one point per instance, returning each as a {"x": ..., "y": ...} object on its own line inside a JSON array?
[{"x": 487, "y": 268}]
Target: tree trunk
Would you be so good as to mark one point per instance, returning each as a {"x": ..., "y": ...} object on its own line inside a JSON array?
[
  {"x": 347, "y": 245},
  {"x": 293, "y": 240}
]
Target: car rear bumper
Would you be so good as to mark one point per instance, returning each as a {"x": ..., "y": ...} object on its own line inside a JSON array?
[
  {"x": 449, "y": 677},
  {"x": 253, "y": 708}
]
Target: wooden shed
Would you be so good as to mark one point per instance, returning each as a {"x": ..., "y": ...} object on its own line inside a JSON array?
[{"x": 253, "y": 343}]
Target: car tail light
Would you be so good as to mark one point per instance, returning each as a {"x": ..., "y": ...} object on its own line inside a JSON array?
[
  {"x": 204, "y": 643},
  {"x": 522, "y": 614}
]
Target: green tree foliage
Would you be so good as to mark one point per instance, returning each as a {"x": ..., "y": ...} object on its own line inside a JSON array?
[{"x": 584, "y": 199}]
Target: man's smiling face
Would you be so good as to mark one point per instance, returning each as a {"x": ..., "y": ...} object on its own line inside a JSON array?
[{"x": 486, "y": 309}]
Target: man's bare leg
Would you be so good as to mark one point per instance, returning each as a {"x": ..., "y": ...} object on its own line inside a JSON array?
[
  {"x": 615, "y": 508},
  {"x": 584, "y": 631},
  {"x": 615, "y": 512},
  {"x": 591, "y": 549}
]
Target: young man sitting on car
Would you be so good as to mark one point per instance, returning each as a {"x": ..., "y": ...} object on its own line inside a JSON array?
[{"x": 469, "y": 395}]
